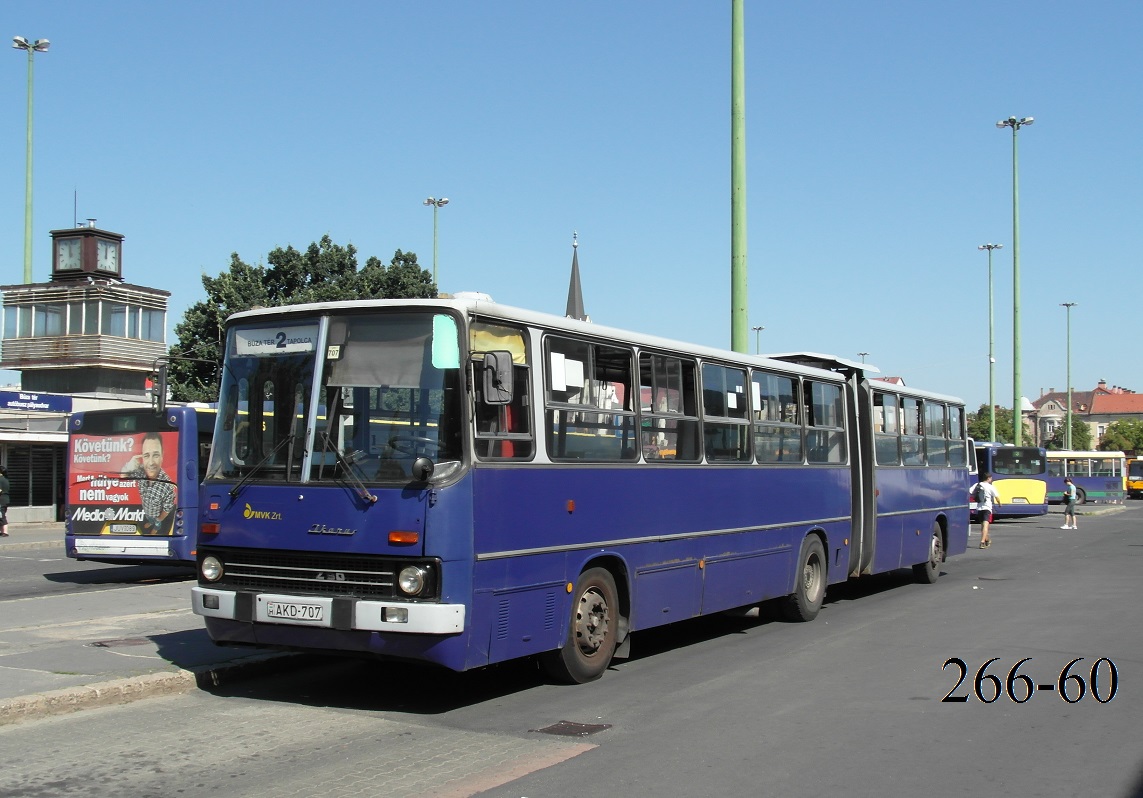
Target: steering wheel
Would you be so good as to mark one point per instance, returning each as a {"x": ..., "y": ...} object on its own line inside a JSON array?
[{"x": 408, "y": 444}]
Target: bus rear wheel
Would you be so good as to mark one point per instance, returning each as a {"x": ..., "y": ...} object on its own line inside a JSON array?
[
  {"x": 1081, "y": 497},
  {"x": 592, "y": 633},
  {"x": 927, "y": 572},
  {"x": 809, "y": 590}
]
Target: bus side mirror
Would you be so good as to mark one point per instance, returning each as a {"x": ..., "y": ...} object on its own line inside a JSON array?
[{"x": 498, "y": 378}]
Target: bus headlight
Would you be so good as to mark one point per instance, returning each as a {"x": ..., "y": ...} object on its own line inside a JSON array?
[
  {"x": 211, "y": 569},
  {"x": 412, "y": 580}
]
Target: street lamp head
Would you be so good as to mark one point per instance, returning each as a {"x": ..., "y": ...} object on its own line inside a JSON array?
[
  {"x": 20, "y": 43},
  {"x": 442, "y": 201},
  {"x": 1027, "y": 120},
  {"x": 431, "y": 201},
  {"x": 991, "y": 247},
  {"x": 436, "y": 203}
]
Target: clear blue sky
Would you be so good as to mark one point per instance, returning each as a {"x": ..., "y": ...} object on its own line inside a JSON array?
[{"x": 874, "y": 166}]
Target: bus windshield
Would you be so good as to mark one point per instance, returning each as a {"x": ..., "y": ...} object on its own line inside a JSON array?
[
  {"x": 388, "y": 393},
  {"x": 1017, "y": 461}
]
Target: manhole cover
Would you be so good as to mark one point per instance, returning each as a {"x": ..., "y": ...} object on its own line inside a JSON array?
[
  {"x": 123, "y": 641},
  {"x": 568, "y": 729}
]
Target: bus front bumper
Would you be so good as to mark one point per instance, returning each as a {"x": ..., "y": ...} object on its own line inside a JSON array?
[{"x": 329, "y": 612}]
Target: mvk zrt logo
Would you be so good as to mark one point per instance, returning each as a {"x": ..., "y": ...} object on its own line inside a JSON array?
[{"x": 261, "y": 515}]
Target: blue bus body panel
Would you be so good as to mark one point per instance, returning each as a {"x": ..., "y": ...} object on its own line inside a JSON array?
[
  {"x": 909, "y": 501},
  {"x": 536, "y": 528}
]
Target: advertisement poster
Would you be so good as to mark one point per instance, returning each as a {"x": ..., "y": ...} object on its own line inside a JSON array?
[{"x": 121, "y": 484}]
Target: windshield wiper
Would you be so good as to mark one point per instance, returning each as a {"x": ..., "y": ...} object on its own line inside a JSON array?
[
  {"x": 327, "y": 445},
  {"x": 258, "y": 466}
]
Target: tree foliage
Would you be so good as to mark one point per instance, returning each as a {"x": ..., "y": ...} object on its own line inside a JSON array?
[
  {"x": 1081, "y": 436},
  {"x": 978, "y": 426},
  {"x": 325, "y": 272},
  {"x": 1125, "y": 435}
]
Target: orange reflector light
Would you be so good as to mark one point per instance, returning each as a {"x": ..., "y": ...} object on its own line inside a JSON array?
[
  {"x": 214, "y": 505},
  {"x": 571, "y": 505},
  {"x": 403, "y": 537},
  {"x": 211, "y": 528}
]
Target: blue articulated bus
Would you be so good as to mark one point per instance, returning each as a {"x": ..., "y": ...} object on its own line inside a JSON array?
[
  {"x": 132, "y": 483},
  {"x": 458, "y": 482}
]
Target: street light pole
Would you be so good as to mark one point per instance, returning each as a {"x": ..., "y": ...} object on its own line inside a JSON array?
[
  {"x": 1068, "y": 419},
  {"x": 991, "y": 355},
  {"x": 757, "y": 339},
  {"x": 436, "y": 203},
  {"x": 738, "y": 264},
  {"x": 1017, "y": 414},
  {"x": 38, "y": 46},
  {"x": 862, "y": 356}
]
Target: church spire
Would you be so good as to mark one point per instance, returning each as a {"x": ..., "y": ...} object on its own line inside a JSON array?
[{"x": 575, "y": 308}]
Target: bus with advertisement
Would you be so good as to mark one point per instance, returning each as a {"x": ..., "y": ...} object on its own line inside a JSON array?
[
  {"x": 459, "y": 482},
  {"x": 1018, "y": 474},
  {"x": 132, "y": 483},
  {"x": 1099, "y": 477}
]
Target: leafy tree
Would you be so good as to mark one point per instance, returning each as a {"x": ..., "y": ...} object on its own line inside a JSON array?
[
  {"x": 978, "y": 428},
  {"x": 1125, "y": 435},
  {"x": 1081, "y": 436},
  {"x": 325, "y": 272}
]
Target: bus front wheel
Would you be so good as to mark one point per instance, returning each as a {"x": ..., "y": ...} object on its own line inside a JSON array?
[
  {"x": 809, "y": 591},
  {"x": 592, "y": 633},
  {"x": 927, "y": 572}
]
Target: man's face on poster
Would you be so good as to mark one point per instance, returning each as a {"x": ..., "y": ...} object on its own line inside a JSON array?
[{"x": 152, "y": 458}]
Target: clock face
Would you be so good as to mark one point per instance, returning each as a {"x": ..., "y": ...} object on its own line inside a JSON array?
[
  {"x": 107, "y": 256},
  {"x": 68, "y": 254}
]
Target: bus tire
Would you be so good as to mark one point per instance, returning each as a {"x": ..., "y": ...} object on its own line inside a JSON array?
[
  {"x": 809, "y": 588},
  {"x": 927, "y": 572},
  {"x": 1081, "y": 497},
  {"x": 593, "y": 631}
]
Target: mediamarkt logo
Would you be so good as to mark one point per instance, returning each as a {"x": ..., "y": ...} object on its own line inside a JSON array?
[
  {"x": 261, "y": 515},
  {"x": 110, "y": 514}
]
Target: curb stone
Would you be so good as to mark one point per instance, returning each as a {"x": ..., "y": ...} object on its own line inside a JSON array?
[{"x": 124, "y": 691}]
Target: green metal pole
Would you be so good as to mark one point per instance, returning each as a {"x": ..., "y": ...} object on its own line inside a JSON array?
[
  {"x": 1068, "y": 421},
  {"x": 738, "y": 321},
  {"x": 28, "y": 178},
  {"x": 991, "y": 347},
  {"x": 991, "y": 357},
  {"x": 435, "y": 209},
  {"x": 1017, "y": 411}
]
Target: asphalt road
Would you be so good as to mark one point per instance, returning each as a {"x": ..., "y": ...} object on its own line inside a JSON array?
[
  {"x": 30, "y": 573},
  {"x": 852, "y": 704}
]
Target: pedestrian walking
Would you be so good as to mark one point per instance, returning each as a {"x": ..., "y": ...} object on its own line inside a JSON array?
[
  {"x": 5, "y": 500},
  {"x": 1069, "y": 504},
  {"x": 986, "y": 496}
]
